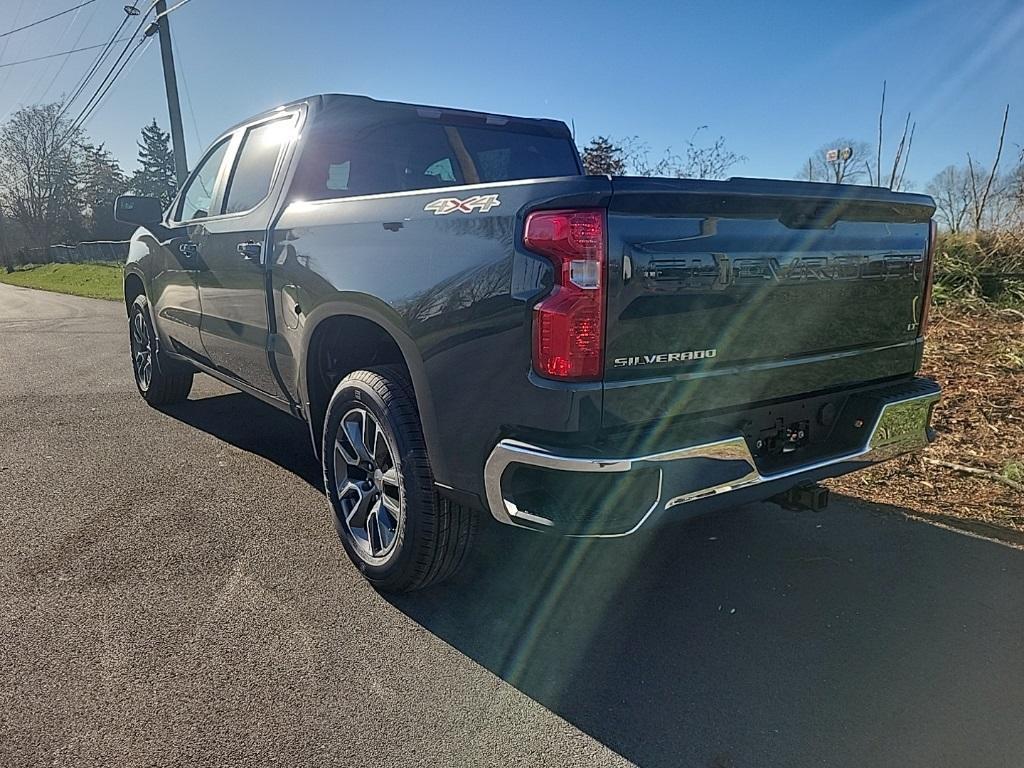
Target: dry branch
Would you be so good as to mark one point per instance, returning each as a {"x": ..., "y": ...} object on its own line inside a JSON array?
[
  {"x": 881, "y": 114},
  {"x": 975, "y": 471}
]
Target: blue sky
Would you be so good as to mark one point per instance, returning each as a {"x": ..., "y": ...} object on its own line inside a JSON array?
[{"x": 777, "y": 80}]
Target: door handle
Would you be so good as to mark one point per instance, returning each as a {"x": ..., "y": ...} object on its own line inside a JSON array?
[
  {"x": 188, "y": 249},
  {"x": 250, "y": 251}
]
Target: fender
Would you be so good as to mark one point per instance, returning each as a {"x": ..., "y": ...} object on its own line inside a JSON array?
[{"x": 385, "y": 316}]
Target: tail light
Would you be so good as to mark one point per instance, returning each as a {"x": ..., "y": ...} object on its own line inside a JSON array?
[
  {"x": 568, "y": 324},
  {"x": 929, "y": 276}
]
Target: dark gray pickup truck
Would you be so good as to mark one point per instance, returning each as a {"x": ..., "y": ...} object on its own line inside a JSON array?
[{"x": 467, "y": 322}]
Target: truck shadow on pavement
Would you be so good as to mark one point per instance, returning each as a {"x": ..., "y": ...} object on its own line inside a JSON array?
[
  {"x": 253, "y": 426},
  {"x": 754, "y": 637}
]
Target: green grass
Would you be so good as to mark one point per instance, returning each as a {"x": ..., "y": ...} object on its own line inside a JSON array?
[
  {"x": 1014, "y": 470},
  {"x": 100, "y": 280}
]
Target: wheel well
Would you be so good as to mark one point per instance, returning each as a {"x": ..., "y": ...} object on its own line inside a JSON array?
[
  {"x": 133, "y": 288},
  {"x": 341, "y": 345}
]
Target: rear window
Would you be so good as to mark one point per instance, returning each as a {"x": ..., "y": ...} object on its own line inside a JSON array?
[{"x": 423, "y": 154}]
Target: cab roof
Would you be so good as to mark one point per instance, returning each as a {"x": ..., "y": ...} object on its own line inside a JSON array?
[{"x": 363, "y": 107}]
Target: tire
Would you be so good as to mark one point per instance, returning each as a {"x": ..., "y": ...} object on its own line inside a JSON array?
[
  {"x": 394, "y": 526},
  {"x": 160, "y": 380}
]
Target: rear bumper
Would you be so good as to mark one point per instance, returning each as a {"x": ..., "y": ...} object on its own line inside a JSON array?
[{"x": 696, "y": 478}]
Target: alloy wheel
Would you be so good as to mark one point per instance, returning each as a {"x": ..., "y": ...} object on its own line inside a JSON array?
[
  {"x": 367, "y": 485},
  {"x": 142, "y": 351}
]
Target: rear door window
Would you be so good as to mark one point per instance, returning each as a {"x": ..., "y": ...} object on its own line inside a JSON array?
[{"x": 253, "y": 173}]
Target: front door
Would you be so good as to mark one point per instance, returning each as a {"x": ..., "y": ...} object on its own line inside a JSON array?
[
  {"x": 232, "y": 278},
  {"x": 174, "y": 290}
]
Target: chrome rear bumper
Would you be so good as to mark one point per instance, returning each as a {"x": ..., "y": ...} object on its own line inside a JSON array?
[{"x": 699, "y": 472}]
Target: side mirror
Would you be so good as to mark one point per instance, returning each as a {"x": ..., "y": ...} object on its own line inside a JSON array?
[{"x": 135, "y": 209}]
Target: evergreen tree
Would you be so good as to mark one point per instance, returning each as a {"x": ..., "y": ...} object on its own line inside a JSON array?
[
  {"x": 602, "y": 157},
  {"x": 155, "y": 176},
  {"x": 101, "y": 180}
]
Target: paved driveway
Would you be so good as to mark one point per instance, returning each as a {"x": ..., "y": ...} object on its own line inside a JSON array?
[{"x": 172, "y": 592}]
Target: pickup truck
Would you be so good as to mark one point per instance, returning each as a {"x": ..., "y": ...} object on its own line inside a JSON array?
[{"x": 467, "y": 322}]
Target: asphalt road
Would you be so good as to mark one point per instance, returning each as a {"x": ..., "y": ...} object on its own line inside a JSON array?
[{"x": 172, "y": 592}]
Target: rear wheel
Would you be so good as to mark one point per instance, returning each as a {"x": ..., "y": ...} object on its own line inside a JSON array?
[
  {"x": 160, "y": 380},
  {"x": 399, "y": 532}
]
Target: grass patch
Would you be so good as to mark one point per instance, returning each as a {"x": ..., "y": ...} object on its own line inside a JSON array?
[
  {"x": 1013, "y": 470},
  {"x": 100, "y": 280}
]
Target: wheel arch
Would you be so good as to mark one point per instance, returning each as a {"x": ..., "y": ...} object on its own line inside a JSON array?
[
  {"x": 134, "y": 286},
  {"x": 343, "y": 338}
]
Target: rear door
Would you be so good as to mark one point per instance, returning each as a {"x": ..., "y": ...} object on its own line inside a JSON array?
[{"x": 233, "y": 276}]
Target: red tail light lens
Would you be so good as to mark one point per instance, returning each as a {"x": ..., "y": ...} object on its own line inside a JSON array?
[
  {"x": 929, "y": 277},
  {"x": 568, "y": 324}
]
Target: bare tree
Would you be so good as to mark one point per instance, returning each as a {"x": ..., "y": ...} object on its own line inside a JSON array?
[
  {"x": 708, "y": 161},
  {"x": 39, "y": 154},
  {"x": 981, "y": 195},
  {"x": 843, "y": 169},
  {"x": 896, "y": 176},
  {"x": 902, "y": 152},
  {"x": 637, "y": 155},
  {"x": 1015, "y": 189},
  {"x": 698, "y": 161},
  {"x": 881, "y": 115},
  {"x": 951, "y": 189}
]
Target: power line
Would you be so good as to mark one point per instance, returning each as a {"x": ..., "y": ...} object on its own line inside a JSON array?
[
  {"x": 105, "y": 85},
  {"x": 97, "y": 62},
  {"x": 93, "y": 102},
  {"x": 59, "y": 43},
  {"x": 112, "y": 75},
  {"x": 188, "y": 100},
  {"x": 48, "y": 18},
  {"x": 118, "y": 66},
  {"x": 82, "y": 118},
  {"x": 62, "y": 53},
  {"x": 3, "y": 50},
  {"x": 64, "y": 63},
  {"x": 110, "y": 72},
  {"x": 172, "y": 8},
  {"x": 142, "y": 45}
]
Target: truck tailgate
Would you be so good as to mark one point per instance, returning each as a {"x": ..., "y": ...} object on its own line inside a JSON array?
[{"x": 723, "y": 294}]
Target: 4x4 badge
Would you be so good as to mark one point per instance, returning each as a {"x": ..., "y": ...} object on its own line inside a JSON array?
[{"x": 445, "y": 205}]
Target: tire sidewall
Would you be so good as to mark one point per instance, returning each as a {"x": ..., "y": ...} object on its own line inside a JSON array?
[
  {"x": 354, "y": 392},
  {"x": 141, "y": 306}
]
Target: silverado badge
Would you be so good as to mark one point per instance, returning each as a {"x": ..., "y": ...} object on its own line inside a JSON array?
[
  {"x": 665, "y": 357},
  {"x": 445, "y": 205}
]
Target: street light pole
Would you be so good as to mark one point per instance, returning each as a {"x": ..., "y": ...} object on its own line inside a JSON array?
[{"x": 171, "y": 86}]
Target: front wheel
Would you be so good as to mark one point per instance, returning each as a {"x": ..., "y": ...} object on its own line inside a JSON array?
[
  {"x": 399, "y": 532},
  {"x": 160, "y": 380}
]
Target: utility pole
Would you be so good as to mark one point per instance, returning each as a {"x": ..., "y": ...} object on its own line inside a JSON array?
[{"x": 171, "y": 85}]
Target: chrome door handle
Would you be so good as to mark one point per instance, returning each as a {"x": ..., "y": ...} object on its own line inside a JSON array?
[
  {"x": 188, "y": 249},
  {"x": 250, "y": 251}
]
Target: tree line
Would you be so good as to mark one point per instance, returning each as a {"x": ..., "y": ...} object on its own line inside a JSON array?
[
  {"x": 57, "y": 186},
  {"x": 969, "y": 197}
]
